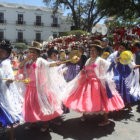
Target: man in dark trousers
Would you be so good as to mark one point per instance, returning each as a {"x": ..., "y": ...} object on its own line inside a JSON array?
[{"x": 83, "y": 58}]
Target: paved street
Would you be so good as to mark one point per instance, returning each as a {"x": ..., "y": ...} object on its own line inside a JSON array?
[{"x": 124, "y": 126}]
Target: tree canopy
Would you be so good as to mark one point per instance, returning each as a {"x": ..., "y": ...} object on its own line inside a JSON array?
[
  {"x": 85, "y": 13},
  {"x": 21, "y": 46},
  {"x": 124, "y": 9}
]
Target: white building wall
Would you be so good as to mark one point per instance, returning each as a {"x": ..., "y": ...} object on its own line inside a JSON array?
[
  {"x": 66, "y": 22},
  {"x": 29, "y": 30}
]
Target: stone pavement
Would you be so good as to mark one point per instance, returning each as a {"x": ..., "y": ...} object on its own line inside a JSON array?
[{"x": 124, "y": 126}]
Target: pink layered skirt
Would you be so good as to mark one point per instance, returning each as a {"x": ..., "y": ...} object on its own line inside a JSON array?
[
  {"x": 91, "y": 96},
  {"x": 31, "y": 107},
  {"x": 32, "y": 110}
]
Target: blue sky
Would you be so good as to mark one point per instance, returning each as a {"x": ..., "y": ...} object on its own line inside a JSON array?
[
  {"x": 33, "y": 2},
  {"x": 30, "y": 2}
]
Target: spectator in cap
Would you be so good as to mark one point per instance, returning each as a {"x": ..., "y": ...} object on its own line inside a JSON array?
[{"x": 105, "y": 45}]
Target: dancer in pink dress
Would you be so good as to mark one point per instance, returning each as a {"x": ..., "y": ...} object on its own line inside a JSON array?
[
  {"x": 93, "y": 89},
  {"x": 40, "y": 102}
]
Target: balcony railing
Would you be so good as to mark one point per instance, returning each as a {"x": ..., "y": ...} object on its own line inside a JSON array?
[
  {"x": 55, "y": 25},
  {"x": 2, "y": 21},
  {"x": 21, "y": 40},
  {"x": 38, "y": 24},
  {"x": 20, "y": 22}
]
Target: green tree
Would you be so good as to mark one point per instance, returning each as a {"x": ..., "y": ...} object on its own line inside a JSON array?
[
  {"x": 85, "y": 13},
  {"x": 124, "y": 9},
  {"x": 21, "y": 46}
]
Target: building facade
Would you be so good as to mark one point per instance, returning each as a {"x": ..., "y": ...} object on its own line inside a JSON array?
[{"x": 25, "y": 23}]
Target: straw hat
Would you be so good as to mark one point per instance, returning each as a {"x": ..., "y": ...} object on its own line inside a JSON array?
[
  {"x": 96, "y": 46},
  {"x": 35, "y": 45}
]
